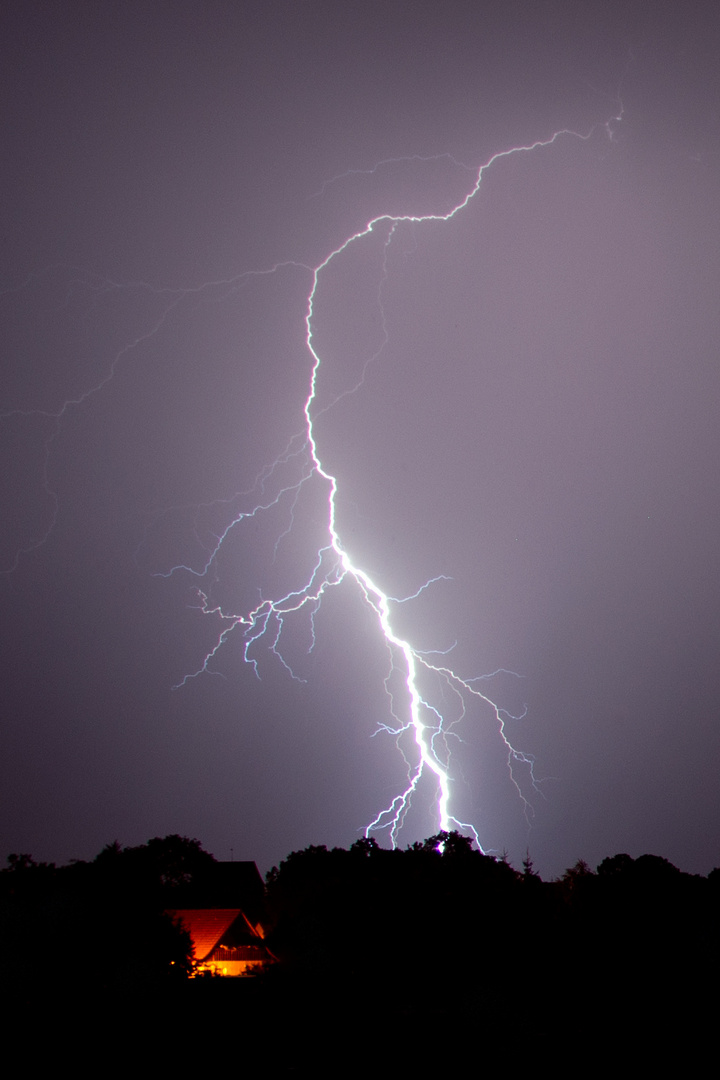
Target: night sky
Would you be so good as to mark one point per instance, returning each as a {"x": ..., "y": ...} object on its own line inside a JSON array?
[{"x": 537, "y": 423}]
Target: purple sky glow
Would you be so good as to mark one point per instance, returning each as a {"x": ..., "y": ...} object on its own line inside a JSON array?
[{"x": 533, "y": 420}]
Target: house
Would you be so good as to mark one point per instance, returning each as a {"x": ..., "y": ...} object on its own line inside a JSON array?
[
  {"x": 222, "y": 911},
  {"x": 224, "y": 940}
]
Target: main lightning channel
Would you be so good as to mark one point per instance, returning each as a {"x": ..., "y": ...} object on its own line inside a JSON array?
[{"x": 418, "y": 720}]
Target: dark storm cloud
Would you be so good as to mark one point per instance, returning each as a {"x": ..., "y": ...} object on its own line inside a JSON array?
[{"x": 540, "y": 426}]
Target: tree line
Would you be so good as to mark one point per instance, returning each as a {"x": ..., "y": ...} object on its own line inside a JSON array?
[{"x": 436, "y": 936}]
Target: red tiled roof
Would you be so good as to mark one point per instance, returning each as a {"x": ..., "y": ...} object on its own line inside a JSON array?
[{"x": 207, "y": 926}]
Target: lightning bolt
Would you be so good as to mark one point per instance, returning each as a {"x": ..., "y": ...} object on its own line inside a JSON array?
[
  {"x": 427, "y": 698},
  {"x": 423, "y": 726}
]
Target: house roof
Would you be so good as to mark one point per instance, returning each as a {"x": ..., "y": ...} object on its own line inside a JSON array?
[{"x": 208, "y": 926}]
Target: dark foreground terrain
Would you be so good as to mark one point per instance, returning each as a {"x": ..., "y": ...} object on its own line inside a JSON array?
[{"x": 433, "y": 957}]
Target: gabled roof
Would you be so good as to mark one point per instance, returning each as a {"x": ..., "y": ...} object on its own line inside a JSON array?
[{"x": 208, "y": 926}]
